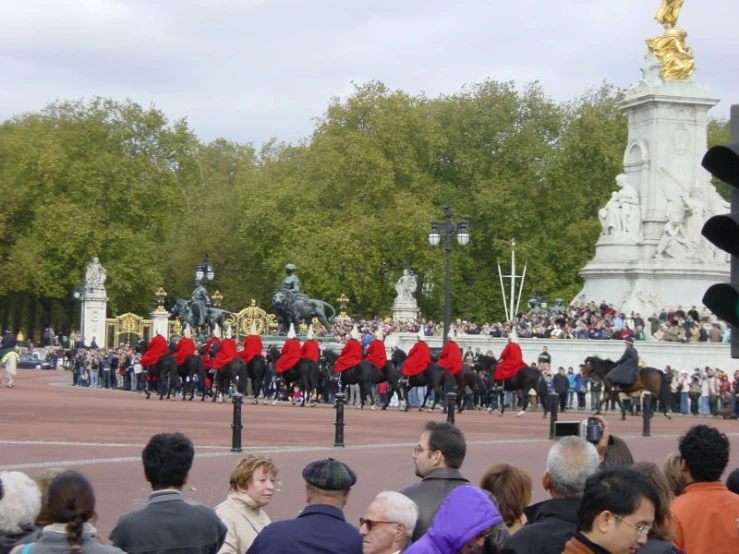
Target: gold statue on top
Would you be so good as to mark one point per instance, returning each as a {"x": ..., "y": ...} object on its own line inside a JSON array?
[
  {"x": 671, "y": 49},
  {"x": 668, "y": 13}
]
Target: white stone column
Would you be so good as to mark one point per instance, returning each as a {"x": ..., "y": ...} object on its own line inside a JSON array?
[
  {"x": 160, "y": 323},
  {"x": 94, "y": 312}
]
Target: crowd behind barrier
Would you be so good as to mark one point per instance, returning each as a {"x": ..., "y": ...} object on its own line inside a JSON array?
[{"x": 601, "y": 501}]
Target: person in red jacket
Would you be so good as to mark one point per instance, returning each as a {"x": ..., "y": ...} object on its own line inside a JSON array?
[
  {"x": 290, "y": 352},
  {"x": 418, "y": 358},
  {"x": 252, "y": 345},
  {"x": 376, "y": 352},
  {"x": 511, "y": 360},
  {"x": 451, "y": 356},
  {"x": 226, "y": 352},
  {"x": 351, "y": 354},
  {"x": 310, "y": 349}
]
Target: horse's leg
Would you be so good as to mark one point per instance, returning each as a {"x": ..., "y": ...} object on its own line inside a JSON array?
[
  {"x": 425, "y": 398},
  {"x": 501, "y": 397},
  {"x": 524, "y": 405},
  {"x": 621, "y": 407}
]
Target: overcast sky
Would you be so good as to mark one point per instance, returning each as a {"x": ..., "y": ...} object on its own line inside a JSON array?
[{"x": 249, "y": 70}]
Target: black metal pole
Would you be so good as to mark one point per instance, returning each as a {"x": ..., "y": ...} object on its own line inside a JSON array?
[
  {"x": 553, "y": 407},
  {"x": 447, "y": 283},
  {"x": 646, "y": 402},
  {"x": 236, "y": 426},
  {"x": 451, "y": 400},
  {"x": 339, "y": 436}
]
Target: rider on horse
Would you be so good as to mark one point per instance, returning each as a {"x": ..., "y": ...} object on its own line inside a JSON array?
[
  {"x": 226, "y": 352},
  {"x": 376, "y": 352},
  {"x": 511, "y": 360},
  {"x": 252, "y": 345},
  {"x": 627, "y": 368},
  {"x": 418, "y": 358},
  {"x": 290, "y": 352},
  {"x": 451, "y": 355},
  {"x": 310, "y": 349},
  {"x": 351, "y": 354},
  {"x": 185, "y": 347}
]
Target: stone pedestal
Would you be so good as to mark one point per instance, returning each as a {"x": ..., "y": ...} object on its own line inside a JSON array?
[
  {"x": 159, "y": 323},
  {"x": 405, "y": 311},
  {"x": 94, "y": 312},
  {"x": 662, "y": 261}
]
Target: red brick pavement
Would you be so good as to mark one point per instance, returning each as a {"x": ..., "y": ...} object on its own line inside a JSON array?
[{"x": 45, "y": 422}]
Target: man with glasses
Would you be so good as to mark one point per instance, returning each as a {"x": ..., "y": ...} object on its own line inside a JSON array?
[
  {"x": 616, "y": 513},
  {"x": 321, "y": 526},
  {"x": 388, "y": 523},
  {"x": 437, "y": 458}
]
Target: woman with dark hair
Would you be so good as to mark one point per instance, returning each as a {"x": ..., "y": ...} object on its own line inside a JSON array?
[
  {"x": 71, "y": 507},
  {"x": 659, "y": 537}
]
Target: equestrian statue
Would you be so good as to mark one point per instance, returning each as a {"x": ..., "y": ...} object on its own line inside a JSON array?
[{"x": 292, "y": 306}]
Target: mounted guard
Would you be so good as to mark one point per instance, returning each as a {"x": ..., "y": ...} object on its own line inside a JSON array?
[
  {"x": 310, "y": 349},
  {"x": 376, "y": 352},
  {"x": 627, "y": 367},
  {"x": 290, "y": 355},
  {"x": 351, "y": 354},
  {"x": 451, "y": 355},
  {"x": 511, "y": 360}
]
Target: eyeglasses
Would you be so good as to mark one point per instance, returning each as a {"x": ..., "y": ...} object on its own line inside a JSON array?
[
  {"x": 370, "y": 523},
  {"x": 418, "y": 449},
  {"x": 640, "y": 530}
]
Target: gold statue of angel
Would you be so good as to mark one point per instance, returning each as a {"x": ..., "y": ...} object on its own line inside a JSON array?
[{"x": 668, "y": 13}]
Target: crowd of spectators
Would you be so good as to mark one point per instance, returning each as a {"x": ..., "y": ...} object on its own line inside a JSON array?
[
  {"x": 578, "y": 321},
  {"x": 600, "y": 502}
]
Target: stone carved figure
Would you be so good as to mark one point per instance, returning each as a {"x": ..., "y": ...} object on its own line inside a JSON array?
[
  {"x": 95, "y": 275},
  {"x": 686, "y": 213},
  {"x": 406, "y": 287},
  {"x": 622, "y": 214},
  {"x": 668, "y": 13}
]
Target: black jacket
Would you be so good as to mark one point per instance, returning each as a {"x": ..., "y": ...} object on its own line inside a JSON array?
[
  {"x": 550, "y": 525},
  {"x": 561, "y": 384}
]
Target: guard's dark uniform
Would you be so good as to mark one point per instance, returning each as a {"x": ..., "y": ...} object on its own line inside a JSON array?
[{"x": 627, "y": 368}]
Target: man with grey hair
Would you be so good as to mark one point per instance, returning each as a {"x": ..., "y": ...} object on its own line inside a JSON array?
[
  {"x": 388, "y": 523},
  {"x": 571, "y": 460}
]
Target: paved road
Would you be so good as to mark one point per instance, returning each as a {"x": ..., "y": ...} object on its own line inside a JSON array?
[{"x": 45, "y": 422}]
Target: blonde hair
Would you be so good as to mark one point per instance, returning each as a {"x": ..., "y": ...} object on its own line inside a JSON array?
[
  {"x": 675, "y": 479},
  {"x": 43, "y": 480},
  {"x": 244, "y": 470}
]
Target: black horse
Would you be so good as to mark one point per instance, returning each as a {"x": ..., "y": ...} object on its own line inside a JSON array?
[
  {"x": 433, "y": 378},
  {"x": 522, "y": 382},
  {"x": 257, "y": 370},
  {"x": 365, "y": 374},
  {"x": 193, "y": 365},
  {"x": 649, "y": 378},
  {"x": 304, "y": 373},
  {"x": 157, "y": 375},
  {"x": 233, "y": 373}
]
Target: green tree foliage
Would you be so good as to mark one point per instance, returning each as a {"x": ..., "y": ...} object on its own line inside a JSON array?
[
  {"x": 84, "y": 179},
  {"x": 350, "y": 206}
]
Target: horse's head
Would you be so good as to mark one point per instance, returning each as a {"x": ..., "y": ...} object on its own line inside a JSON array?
[
  {"x": 272, "y": 353},
  {"x": 398, "y": 357},
  {"x": 214, "y": 348},
  {"x": 587, "y": 368}
]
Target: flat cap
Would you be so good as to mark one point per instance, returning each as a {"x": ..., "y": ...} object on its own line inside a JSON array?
[{"x": 329, "y": 474}]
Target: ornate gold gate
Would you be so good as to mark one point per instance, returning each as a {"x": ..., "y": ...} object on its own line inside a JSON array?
[
  {"x": 127, "y": 329},
  {"x": 242, "y": 321}
]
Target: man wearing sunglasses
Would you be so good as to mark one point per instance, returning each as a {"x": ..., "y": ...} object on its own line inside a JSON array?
[
  {"x": 388, "y": 523},
  {"x": 616, "y": 513}
]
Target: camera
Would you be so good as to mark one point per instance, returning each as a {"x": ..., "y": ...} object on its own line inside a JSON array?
[{"x": 590, "y": 429}]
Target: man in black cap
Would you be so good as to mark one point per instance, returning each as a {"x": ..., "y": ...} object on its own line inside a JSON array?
[
  {"x": 627, "y": 368},
  {"x": 321, "y": 526}
]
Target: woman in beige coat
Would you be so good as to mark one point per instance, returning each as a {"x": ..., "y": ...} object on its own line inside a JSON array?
[{"x": 252, "y": 485}]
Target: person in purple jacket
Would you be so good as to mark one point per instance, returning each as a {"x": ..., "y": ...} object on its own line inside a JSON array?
[{"x": 463, "y": 522}]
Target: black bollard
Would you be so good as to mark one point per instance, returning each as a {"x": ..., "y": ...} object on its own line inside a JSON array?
[
  {"x": 339, "y": 436},
  {"x": 646, "y": 401},
  {"x": 553, "y": 407},
  {"x": 451, "y": 400},
  {"x": 238, "y": 400}
]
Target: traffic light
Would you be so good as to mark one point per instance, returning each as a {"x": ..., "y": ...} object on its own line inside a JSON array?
[{"x": 723, "y": 231}]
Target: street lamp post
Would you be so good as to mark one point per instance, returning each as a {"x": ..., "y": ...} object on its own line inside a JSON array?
[
  {"x": 204, "y": 270},
  {"x": 448, "y": 229}
]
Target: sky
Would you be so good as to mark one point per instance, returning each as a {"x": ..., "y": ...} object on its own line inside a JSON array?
[{"x": 253, "y": 70}]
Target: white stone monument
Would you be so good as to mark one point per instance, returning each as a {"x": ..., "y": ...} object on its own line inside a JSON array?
[
  {"x": 405, "y": 307},
  {"x": 651, "y": 253},
  {"x": 94, "y": 305}
]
